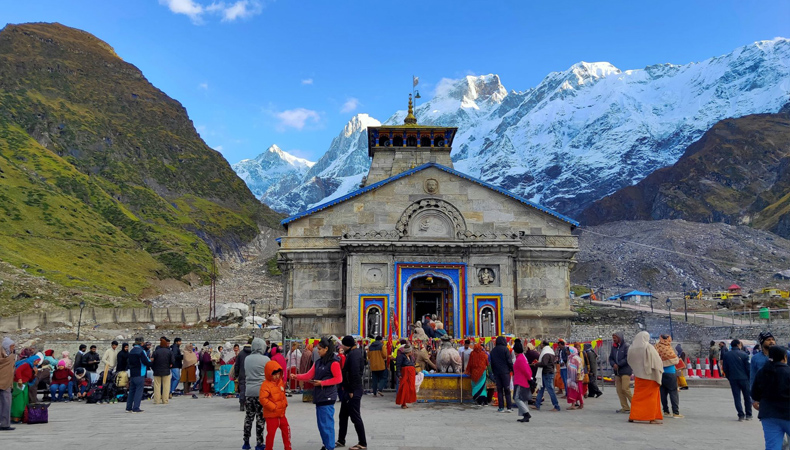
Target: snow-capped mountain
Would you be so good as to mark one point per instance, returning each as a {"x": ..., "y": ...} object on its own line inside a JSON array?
[
  {"x": 272, "y": 167},
  {"x": 337, "y": 173},
  {"x": 579, "y": 135}
]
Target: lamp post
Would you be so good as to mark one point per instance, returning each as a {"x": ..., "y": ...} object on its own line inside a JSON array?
[
  {"x": 79, "y": 324},
  {"x": 669, "y": 310},
  {"x": 685, "y": 302},
  {"x": 253, "y": 303}
]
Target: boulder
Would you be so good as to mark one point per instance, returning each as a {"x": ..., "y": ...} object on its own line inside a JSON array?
[
  {"x": 227, "y": 312},
  {"x": 249, "y": 320},
  {"x": 274, "y": 320}
]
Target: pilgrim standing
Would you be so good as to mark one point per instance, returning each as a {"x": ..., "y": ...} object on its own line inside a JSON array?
[
  {"x": 325, "y": 375},
  {"x": 648, "y": 370}
]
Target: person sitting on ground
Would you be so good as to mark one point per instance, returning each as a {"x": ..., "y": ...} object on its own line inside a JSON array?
[
  {"x": 274, "y": 403},
  {"x": 41, "y": 382},
  {"x": 81, "y": 383}
]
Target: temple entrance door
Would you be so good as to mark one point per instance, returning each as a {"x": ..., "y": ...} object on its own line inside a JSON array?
[{"x": 428, "y": 296}]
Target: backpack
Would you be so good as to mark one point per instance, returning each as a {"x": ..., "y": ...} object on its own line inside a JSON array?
[
  {"x": 122, "y": 379},
  {"x": 94, "y": 395},
  {"x": 109, "y": 391}
]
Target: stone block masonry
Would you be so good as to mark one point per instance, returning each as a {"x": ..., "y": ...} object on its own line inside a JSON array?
[{"x": 102, "y": 316}]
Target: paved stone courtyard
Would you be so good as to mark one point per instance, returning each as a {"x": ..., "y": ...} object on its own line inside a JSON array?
[{"x": 186, "y": 423}]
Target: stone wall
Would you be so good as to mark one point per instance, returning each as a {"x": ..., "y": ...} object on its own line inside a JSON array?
[{"x": 94, "y": 316}]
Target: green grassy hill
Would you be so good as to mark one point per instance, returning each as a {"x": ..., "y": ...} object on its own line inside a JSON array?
[{"x": 105, "y": 184}]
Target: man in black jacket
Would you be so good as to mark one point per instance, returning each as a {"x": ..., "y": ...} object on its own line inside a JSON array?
[
  {"x": 502, "y": 367},
  {"x": 618, "y": 359},
  {"x": 735, "y": 365},
  {"x": 90, "y": 361},
  {"x": 78, "y": 357},
  {"x": 239, "y": 374},
  {"x": 352, "y": 394},
  {"x": 178, "y": 363},
  {"x": 138, "y": 365},
  {"x": 162, "y": 363}
]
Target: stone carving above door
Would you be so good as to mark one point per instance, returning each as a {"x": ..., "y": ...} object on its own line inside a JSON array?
[
  {"x": 431, "y": 218},
  {"x": 487, "y": 276}
]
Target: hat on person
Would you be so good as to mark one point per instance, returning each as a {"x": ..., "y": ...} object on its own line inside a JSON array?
[
  {"x": 764, "y": 335},
  {"x": 61, "y": 363},
  {"x": 49, "y": 352},
  {"x": 348, "y": 341}
]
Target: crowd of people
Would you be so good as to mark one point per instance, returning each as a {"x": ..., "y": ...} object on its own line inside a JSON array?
[{"x": 507, "y": 373}]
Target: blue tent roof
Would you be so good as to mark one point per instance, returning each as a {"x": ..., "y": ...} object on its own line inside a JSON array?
[
  {"x": 635, "y": 293},
  {"x": 415, "y": 170},
  {"x": 631, "y": 294}
]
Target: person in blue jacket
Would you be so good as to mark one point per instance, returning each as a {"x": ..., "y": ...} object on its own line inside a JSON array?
[{"x": 138, "y": 366}]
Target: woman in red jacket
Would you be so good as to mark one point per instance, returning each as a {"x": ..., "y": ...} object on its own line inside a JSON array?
[{"x": 61, "y": 381}]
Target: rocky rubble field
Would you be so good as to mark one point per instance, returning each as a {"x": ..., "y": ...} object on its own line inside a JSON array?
[{"x": 666, "y": 253}]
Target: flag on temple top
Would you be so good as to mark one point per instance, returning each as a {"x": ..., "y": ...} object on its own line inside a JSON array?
[{"x": 415, "y": 80}]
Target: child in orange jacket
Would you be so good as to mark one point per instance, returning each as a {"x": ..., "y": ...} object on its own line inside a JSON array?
[{"x": 274, "y": 402}]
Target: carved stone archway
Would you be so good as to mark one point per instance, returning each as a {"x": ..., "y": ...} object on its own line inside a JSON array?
[{"x": 431, "y": 218}]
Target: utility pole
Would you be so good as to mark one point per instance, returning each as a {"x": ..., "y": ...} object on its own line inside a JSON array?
[{"x": 212, "y": 293}]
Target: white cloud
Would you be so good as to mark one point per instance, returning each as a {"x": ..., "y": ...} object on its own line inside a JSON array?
[
  {"x": 350, "y": 105},
  {"x": 203, "y": 86},
  {"x": 218, "y": 148},
  {"x": 307, "y": 81},
  {"x": 296, "y": 118},
  {"x": 230, "y": 12},
  {"x": 189, "y": 8}
]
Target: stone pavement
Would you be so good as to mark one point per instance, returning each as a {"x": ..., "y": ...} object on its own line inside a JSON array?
[{"x": 186, "y": 423}]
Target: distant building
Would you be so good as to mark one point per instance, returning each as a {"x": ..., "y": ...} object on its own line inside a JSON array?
[{"x": 420, "y": 238}]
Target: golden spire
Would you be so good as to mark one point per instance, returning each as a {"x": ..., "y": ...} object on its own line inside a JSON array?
[{"x": 410, "y": 119}]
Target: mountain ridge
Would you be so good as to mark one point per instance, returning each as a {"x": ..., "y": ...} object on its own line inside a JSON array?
[
  {"x": 582, "y": 133},
  {"x": 105, "y": 184}
]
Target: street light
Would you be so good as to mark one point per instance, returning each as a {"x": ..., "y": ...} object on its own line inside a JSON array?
[
  {"x": 669, "y": 310},
  {"x": 79, "y": 324},
  {"x": 253, "y": 303},
  {"x": 685, "y": 302}
]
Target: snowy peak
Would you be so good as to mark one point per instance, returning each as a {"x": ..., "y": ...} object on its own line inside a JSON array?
[
  {"x": 470, "y": 91},
  {"x": 277, "y": 156},
  {"x": 357, "y": 124},
  {"x": 585, "y": 72},
  {"x": 269, "y": 168}
]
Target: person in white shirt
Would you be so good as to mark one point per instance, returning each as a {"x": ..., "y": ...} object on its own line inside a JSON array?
[{"x": 465, "y": 351}]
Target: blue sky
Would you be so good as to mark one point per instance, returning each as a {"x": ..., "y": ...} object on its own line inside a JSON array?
[{"x": 254, "y": 73}]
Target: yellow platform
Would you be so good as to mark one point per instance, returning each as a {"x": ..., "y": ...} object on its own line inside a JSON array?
[{"x": 445, "y": 388}]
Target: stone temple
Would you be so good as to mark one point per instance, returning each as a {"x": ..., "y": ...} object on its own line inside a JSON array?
[{"x": 420, "y": 238}]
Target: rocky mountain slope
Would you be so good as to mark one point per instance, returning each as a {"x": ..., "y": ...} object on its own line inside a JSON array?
[
  {"x": 579, "y": 135},
  {"x": 666, "y": 253},
  {"x": 105, "y": 184},
  {"x": 736, "y": 173}
]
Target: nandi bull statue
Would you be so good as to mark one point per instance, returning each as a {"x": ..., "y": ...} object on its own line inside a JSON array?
[{"x": 448, "y": 360}]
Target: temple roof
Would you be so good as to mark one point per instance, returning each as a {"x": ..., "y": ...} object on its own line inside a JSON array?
[{"x": 407, "y": 173}]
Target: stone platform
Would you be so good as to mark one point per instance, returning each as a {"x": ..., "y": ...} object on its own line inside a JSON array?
[{"x": 445, "y": 388}]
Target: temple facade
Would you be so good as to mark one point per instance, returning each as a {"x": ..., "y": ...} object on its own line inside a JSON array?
[{"x": 420, "y": 238}]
